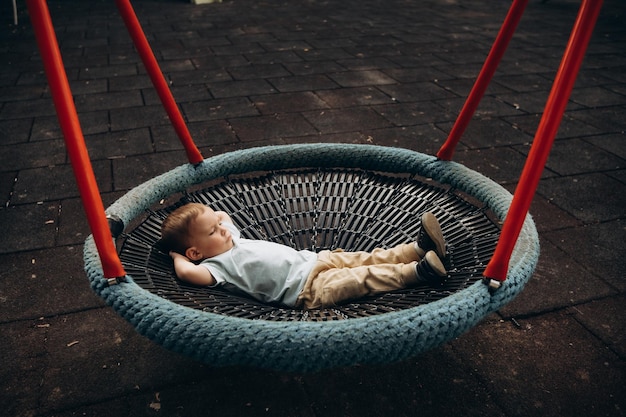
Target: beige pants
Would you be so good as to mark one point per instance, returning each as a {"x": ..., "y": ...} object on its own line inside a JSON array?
[{"x": 340, "y": 276}]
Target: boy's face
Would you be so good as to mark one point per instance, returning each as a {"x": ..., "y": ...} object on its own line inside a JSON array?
[{"x": 208, "y": 237}]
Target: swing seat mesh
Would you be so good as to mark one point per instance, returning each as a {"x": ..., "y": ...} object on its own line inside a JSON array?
[
  {"x": 316, "y": 196},
  {"x": 317, "y": 210}
]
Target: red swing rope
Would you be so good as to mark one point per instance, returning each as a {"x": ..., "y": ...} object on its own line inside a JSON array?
[
  {"x": 563, "y": 84},
  {"x": 74, "y": 139},
  {"x": 544, "y": 138},
  {"x": 154, "y": 71},
  {"x": 484, "y": 78}
]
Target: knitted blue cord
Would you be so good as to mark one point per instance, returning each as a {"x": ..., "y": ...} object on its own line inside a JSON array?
[{"x": 308, "y": 346}]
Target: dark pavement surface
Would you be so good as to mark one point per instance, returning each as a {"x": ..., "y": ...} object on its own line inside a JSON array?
[{"x": 247, "y": 73}]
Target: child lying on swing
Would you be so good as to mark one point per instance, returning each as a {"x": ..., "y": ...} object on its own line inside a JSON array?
[{"x": 207, "y": 250}]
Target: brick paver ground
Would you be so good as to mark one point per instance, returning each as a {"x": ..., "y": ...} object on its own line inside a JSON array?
[{"x": 246, "y": 73}]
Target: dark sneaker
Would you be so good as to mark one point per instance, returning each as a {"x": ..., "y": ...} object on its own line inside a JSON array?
[
  {"x": 430, "y": 237},
  {"x": 431, "y": 270}
]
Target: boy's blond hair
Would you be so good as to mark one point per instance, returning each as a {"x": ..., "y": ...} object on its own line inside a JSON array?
[{"x": 176, "y": 228}]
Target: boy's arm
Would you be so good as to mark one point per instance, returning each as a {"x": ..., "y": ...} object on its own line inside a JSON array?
[{"x": 190, "y": 272}]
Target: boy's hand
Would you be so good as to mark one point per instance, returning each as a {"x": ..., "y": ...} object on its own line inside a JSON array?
[
  {"x": 190, "y": 272},
  {"x": 175, "y": 255}
]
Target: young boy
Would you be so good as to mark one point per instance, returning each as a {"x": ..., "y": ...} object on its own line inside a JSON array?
[{"x": 207, "y": 250}]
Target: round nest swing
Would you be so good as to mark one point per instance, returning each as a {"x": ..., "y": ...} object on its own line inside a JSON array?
[{"x": 316, "y": 196}]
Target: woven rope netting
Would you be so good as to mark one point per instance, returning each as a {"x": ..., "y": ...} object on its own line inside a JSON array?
[{"x": 317, "y": 210}]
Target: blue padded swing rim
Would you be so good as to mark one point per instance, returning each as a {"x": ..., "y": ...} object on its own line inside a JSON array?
[{"x": 221, "y": 340}]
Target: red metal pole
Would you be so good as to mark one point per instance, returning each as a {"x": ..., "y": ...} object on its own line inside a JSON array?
[
  {"x": 74, "y": 140},
  {"x": 484, "y": 78},
  {"x": 163, "y": 90},
  {"x": 544, "y": 137}
]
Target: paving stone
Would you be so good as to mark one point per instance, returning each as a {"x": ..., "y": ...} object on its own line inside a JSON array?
[
  {"x": 424, "y": 138},
  {"x": 32, "y": 155},
  {"x": 72, "y": 225},
  {"x": 211, "y": 133},
  {"x": 95, "y": 72},
  {"x": 106, "y": 101},
  {"x": 45, "y": 128},
  {"x": 420, "y": 60},
  {"x": 27, "y": 92},
  {"x": 132, "y": 171},
  {"x": 524, "y": 82},
  {"x": 380, "y": 395},
  {"x": 345, "y": 120},
  {"x": 361, "y": 78},
  {"x": 351, "y": 97},
  {"x": 547, "y": 216},
  {"x": 303, "y": 83},
  {"x": 119, "y": 144},
  {"x": 597, "y": 96},
  {"x": 15, "y": 131},
  {"x": 469, "y": 71},
  {"x": 407, "y": 114},
  {"x": 135, "y": 117},
  {"x": 7, "y": 181},
  {"x": 415, "y": 92},
  {"x": 540, "y": 354},
  {"x": 27, "y": 108},
  {"x": 243, "y": 48},
  {"x": 127, "y": 363},
  {"x": 288, "y": 102},
  {"x": 55, "y": 182},
  {"x": 28, "y": 227},
  {"x": 614, "y": 143},
  {"x": 54, "y": 277},
  {"x": 491, "y": 132},
  {"x": 240, "y": 88},
  {"x": 265, "y": 58},
  {"x": 560, "y": 280},
  {"x": 463, "y": 86},
  {"x": 585, "y": 196},
  {"x": 362, "y": 64},
  {"x": 489, "y": 107},
  {"x": 24, "y": 343},
  {"x": 604, "y": 319},
  {"x": 80, "y": 87},
  {"x": 130, "y": 82},
  {"x": 609, "y": 120},
  {"x": 174, "y": 65},
  {"x": 267, "y": 127},
  {"x": 568, "y": 128},
  {"x": 219, "y": 109},
  {"x": 327, "y": 54},
  {"x": 315, "y": 67},
  {"x": 211, "y": 62},
  {"x": 595, "y": 247},
  {"x": 193, "y": 78},
  {"x": 574, "y": 156},
  {"x": 411, "y": 75},
  {"x": 258, "y": 71},
  {"x": 618, "y": 175},
  {"x": 230, "y": 397},
  {"x": 499, "y": 164}
]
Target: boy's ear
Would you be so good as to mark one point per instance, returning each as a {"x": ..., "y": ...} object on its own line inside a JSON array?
[{"x": 193, "y": 254}]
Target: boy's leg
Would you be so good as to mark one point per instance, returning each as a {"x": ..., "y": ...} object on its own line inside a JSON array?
[
  {"x": 336, "y": 285},
  {"x": 330, "y": 284},
  {"x": 401, "y": 254}
]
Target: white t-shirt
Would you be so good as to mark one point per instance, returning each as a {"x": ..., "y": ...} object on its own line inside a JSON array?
[{"x": 268, "y": 271}]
